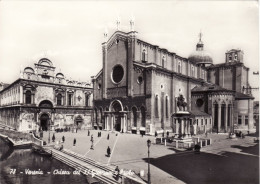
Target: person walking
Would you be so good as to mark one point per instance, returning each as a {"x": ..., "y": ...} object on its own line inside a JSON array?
[
  {"x": 117, "y": 173},
  {"x": 108, "y": 151},
  {"x": 107, "y": 136},
  {"x": 88, "y": 132},
  {"x": 53, "y": 138},
  {"x": 100, "y": 134},
  {"x": 91, "y": 139},
  {"x": 63, "y": 139},
  {"x": 74, "y": 142}
]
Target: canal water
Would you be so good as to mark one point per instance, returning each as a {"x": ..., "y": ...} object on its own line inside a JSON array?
[{"x": 22, "y": 166}]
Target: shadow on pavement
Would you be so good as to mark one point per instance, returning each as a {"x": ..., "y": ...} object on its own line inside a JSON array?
[
  {"x": 251, "y": 150},
  {"x": 206, "y": 168}
]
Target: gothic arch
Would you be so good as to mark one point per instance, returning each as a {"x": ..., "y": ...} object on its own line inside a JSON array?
[{"x": 116, "y": 105}]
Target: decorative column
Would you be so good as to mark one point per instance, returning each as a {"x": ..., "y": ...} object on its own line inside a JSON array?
[
  {"x": 231, "y": 118},
  {"x": 213, "y": 115},
  {"x": 189, "y": 124},
  {"x": 219, "y": 117},
  {"x": 125, "y": 122},
  {"x": 112, "y": 122},
  {"x": 182, "y": 126},
  {"x": 226, "y": 117},
  {"x": 176, "y": 125},
  {"x": 105, "y": 122}
]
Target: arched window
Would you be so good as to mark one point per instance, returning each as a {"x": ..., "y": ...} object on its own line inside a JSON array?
[
  {"x": 143, "y": 116},
  {"x": 179, "y": 67},
  {"x": 134, "y": 111},
  {"x": 28, "y": 97},
  {"x": 70, "y": 98},
  {"x": 59, "y": 98},
  {"x": 156, "y": 111},
  {"x": 192, "y": 71},
  {"x": 144, "y": 55},
  {"x": 167, "y": 108},
  {"x": 87, "y": 100},
  {"x": 163, "y": 62}
]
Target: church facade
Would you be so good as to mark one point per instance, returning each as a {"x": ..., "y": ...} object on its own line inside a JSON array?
[
  {"x": 143, "y": 88},
  {"x": 43, "y": 98}
]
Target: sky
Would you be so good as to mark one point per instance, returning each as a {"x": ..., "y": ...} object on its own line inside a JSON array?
[{"x": 70, "y": 33}]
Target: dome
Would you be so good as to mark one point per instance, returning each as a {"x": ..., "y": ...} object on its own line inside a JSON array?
[{"x": 200, "y": 56}]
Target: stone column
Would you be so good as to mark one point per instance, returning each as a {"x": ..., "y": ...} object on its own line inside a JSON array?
[
  {"x": 176, "y": 125},
  {"x": 185, "y": 126},
  {"x": 219, "y": 117},
  {"x": 105, "y": 122},
  {"x": 112, "y": 122},
  {"x": 182, "y": 126},
  {"x": 189, "y": 124},
  {"x": 213, "y": 115},
  {"x": 226, "y": 117},
  {"x": 125, "y": 122},
  {"x": 231, "y": 118}
]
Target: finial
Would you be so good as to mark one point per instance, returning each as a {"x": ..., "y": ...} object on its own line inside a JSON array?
[
  {"x": 132, "y": 23},
  {"x": 105, "y": 34},
  {"x": 118, "y": 24},
  {"x": 200, "y": 35}
]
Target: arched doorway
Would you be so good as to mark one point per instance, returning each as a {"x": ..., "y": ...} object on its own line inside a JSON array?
[
  {"x": 44, "y": 122},
  {"x": 79, "y": 122},
  {"x": 143, "y": 117},
  {"x": 116, "y": 108}
]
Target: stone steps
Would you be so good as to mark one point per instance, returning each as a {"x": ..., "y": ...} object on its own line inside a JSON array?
[{"x": 83, "y": 169}]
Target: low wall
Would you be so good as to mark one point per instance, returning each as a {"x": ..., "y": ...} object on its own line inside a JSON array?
[{"x": 21, "y": 137}]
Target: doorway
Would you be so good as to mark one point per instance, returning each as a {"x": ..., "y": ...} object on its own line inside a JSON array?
[
  {"x": 117, "y": 122},
  {"x": 44, "y": 122}
]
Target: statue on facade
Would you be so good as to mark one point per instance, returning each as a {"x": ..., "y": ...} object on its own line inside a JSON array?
[{"x": 181, "y": 104}]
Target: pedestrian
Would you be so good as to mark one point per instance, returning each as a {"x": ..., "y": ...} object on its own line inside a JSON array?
[
  {"x": 107, "y": 136},
  {"x": 88, "y": 132},
  {"x": 74, "y": 142},
  {"x": 155, "y": 134},
  {"x": 117, "y": 172},
  {"x": 167, "y": 133},
  {"x": 76, "y": 130},
  {"x": 53, "y": 138},
  {"x": 91, "y": 139},
  {"x": 142, "y": 133},
  {"x": 100, "y": 134},
  {"x": 108, "y": 151},
  {"x": 63, "y": 139}
]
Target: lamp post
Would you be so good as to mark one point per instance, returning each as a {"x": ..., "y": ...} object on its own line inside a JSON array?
[{"x": 149, "y": 174}]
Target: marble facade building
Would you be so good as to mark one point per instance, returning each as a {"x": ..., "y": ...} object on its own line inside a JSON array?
[{"x": 43, "y": 98}]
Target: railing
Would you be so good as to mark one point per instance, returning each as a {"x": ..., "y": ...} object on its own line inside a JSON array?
[
  {"x": 183, "y": 144},
  {"x": 21, "y": 137}
]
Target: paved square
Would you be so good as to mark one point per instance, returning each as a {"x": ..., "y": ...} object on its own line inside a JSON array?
[{"x": 129, "y": 151}]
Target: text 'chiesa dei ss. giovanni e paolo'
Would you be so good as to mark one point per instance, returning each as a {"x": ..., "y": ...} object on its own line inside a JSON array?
[{"x": 141, "y": 88}]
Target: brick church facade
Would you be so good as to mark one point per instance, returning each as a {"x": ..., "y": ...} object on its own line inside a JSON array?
[{"x": 140, "y": 86}]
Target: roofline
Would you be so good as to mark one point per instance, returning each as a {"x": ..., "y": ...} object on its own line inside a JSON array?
[{"x": 33, "y": 81}]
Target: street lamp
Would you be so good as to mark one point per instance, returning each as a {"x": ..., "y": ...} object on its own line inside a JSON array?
[{"x": 149, "y": 174}]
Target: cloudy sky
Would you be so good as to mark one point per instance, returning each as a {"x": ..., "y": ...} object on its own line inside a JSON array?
[{"x": 70, "y": 33}]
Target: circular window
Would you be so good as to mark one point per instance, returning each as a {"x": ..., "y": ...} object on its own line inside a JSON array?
[
  {"x": 117, "y": 74},
  {"x": 140, "y": 80},
  {"x": 199, "y": 102}
]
